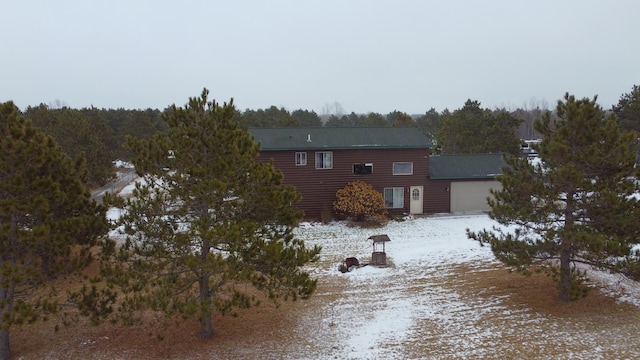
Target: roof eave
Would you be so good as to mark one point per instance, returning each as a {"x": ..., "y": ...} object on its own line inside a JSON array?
[
  {"x": 463, "y": 177},
  {"x": 356, "y": 147}
]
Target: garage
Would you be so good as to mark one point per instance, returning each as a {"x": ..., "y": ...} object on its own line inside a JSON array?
[
  {"x": 462, "y": 182},
  {"x": 472, "y": 195}
]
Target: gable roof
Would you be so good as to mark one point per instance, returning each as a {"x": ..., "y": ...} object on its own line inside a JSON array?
[
  {"x": 328, "y": 138},
  {"x": 465, "y": 166}
]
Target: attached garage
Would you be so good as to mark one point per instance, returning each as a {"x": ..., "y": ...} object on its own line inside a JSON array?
[{"x": 468, "y": 179}]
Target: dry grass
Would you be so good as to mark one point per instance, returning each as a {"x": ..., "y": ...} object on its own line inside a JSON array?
[
  {"x": 268, "y": 329},
  {"x": 537, "y": 296}
]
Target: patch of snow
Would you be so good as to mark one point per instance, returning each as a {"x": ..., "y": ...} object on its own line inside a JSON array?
[
  {"x": 123, "y": 164},
  {"x": 128, "y": 190},
  {"x": 385, "y": 308},
  {"x": 617, "y": 285}
]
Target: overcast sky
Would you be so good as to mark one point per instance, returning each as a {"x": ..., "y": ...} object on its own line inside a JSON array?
[{"x": 366, "y": 55}]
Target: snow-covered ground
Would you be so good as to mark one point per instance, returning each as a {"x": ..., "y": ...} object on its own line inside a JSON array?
[
  {"x": 418, "y": 308},
  {"x": 382, "y": 312}
]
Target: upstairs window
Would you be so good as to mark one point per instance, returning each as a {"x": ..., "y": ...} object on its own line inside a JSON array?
[
  {"x": 362, "y": 169},
  {"x": 402, "y": 168},
  {"x": 301, "y": 158},
  {"x": 324, "y": 160}
]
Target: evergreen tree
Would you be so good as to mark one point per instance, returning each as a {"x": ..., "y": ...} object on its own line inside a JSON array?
[
  {"x": 306, "y": 118},
  {"x": 74, "y": 131},
  {"x": 252, "y": 118},
  {"x": 460, "y": 132},
  {"x": 500, "y": 133},
  {"x": 429, "y": 123},
  {"x": 375, "y": 120},
  {"x": 47, "y": 220},
  {"x": 359, "y": 120},
  {"x": 353, "y": 119},
  {"x": 335, "y": 121},
  {"x": 209, "y": 224},
  {"x": 473, "y": 129},
  {"x": 279, "y": 117},
  {"x": 141, "y": 124},
  {"x": 576, "y": 205},
  {"x": 401, "y": 119},
  {"x": 628, "y": 110}
]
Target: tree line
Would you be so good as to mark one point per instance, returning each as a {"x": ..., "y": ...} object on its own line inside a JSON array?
[{"x": 98, "y": 135}]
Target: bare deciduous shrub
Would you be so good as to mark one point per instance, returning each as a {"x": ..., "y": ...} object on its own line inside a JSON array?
[{"x": 359, "y": 201}]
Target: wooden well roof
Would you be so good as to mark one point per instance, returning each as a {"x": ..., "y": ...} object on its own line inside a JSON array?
[{"x": 379, "y": 238}]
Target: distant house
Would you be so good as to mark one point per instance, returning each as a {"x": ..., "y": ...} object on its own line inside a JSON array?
[
  {"x": 461, "y": 182},
  {"x": 321, "y": 160}
]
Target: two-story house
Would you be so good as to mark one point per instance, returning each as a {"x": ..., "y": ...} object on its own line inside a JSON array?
[{"x": 319, "y": 161}]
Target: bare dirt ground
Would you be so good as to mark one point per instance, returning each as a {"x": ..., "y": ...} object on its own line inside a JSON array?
[{"x": 267, "y": 332}]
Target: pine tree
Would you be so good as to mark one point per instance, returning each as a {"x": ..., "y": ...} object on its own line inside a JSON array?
[
  {"x": 472, "y": 129},
  {"x": 75, "y": 132},
  {"x": 208, "y": 224},
  {"x": 47, "y": 220},
  {"x": 627, "y": 109},
  {"x": 576, "y": 206}
]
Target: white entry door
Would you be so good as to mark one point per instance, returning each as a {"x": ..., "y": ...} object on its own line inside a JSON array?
[{"x": 416, "y": 195}]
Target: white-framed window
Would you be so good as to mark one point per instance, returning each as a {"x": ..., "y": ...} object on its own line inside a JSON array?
[
  {"x": 403, "y": 168},
  {"x": 324, "y": 160},
  {"x": 363, "y": 169},
  {"x": 394, "y": 197},
  {"x": 301, "y": 158}
]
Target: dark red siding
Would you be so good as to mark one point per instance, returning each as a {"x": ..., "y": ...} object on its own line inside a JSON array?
[
  {"x": 437, "y": 196},
  {"x": 319, "y": 186}
]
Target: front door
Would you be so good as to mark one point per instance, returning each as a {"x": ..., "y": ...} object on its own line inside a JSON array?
[{"x": 415, "y": 205}]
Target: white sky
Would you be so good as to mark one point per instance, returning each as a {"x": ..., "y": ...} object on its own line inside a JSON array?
[{"x": 367, "y": 55}]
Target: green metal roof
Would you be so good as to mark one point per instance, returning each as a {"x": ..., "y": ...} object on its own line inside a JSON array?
[
  {"x": 465, "y": 166},
  {"x": 314, "y": 138}
]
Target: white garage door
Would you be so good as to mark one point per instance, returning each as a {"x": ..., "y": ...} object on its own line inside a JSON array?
[{"x": 471, "y": 195}]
